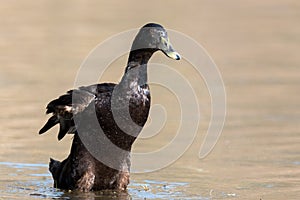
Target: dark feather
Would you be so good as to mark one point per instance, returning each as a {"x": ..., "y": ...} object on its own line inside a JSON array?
[
  {"x": 63, "y": 130},
  {"x": 54, "y": 165},
  {"x": 50, "y": 123},
  {"x": 82, "y": 169}
]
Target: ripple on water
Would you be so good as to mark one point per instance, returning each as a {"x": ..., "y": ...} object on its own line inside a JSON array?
[
  {"x": 296, "y": 163},
  {"x": 19, "y": 180}
]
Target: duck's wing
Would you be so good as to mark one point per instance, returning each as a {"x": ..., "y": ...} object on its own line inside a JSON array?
[{"x": 72, "y": 103}]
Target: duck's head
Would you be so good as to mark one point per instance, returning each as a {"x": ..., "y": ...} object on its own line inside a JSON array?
[{"x": 154, "y": 37}]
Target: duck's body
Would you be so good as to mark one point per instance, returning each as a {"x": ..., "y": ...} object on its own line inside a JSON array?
[{"x": 121, "y": 110}]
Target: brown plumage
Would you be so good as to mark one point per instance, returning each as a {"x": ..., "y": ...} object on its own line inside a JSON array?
[{"x": 106, "y": 112}]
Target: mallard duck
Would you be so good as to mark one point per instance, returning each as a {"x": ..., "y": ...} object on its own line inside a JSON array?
[{"x": 120, "y": 109}]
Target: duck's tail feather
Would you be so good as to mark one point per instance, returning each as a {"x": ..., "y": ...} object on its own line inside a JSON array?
[{"x": 53, "y": 167}]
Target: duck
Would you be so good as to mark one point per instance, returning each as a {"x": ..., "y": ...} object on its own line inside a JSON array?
[{"x": 105, "y": 120}]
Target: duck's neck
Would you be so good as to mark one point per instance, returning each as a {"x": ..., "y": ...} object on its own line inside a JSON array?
[{"x": 136, "y": 70}]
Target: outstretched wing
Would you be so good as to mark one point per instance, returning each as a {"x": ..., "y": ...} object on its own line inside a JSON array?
[{"x": 72, "y": 103}]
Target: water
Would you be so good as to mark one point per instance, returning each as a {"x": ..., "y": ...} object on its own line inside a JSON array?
[
  {"x": 33, "y": 181},
  {"x": 256, "y": 47}
]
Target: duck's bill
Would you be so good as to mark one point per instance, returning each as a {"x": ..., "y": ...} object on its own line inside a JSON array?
[
  {"x": 168, "y": 49},
  {"x": 173, "y": 54}
]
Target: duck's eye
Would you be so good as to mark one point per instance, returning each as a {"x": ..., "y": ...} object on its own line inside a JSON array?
[{"x": 161, "y": 34}]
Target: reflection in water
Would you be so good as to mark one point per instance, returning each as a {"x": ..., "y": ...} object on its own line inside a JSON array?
[{"x": 96, "y": 195}]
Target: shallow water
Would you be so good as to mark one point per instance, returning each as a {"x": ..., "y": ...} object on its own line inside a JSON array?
[
  {"x": 256, "y": 47},
  {"x": 34, "y": 181}
]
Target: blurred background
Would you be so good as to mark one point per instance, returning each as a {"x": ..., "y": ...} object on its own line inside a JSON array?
[{"x": 255, "y": 45}]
